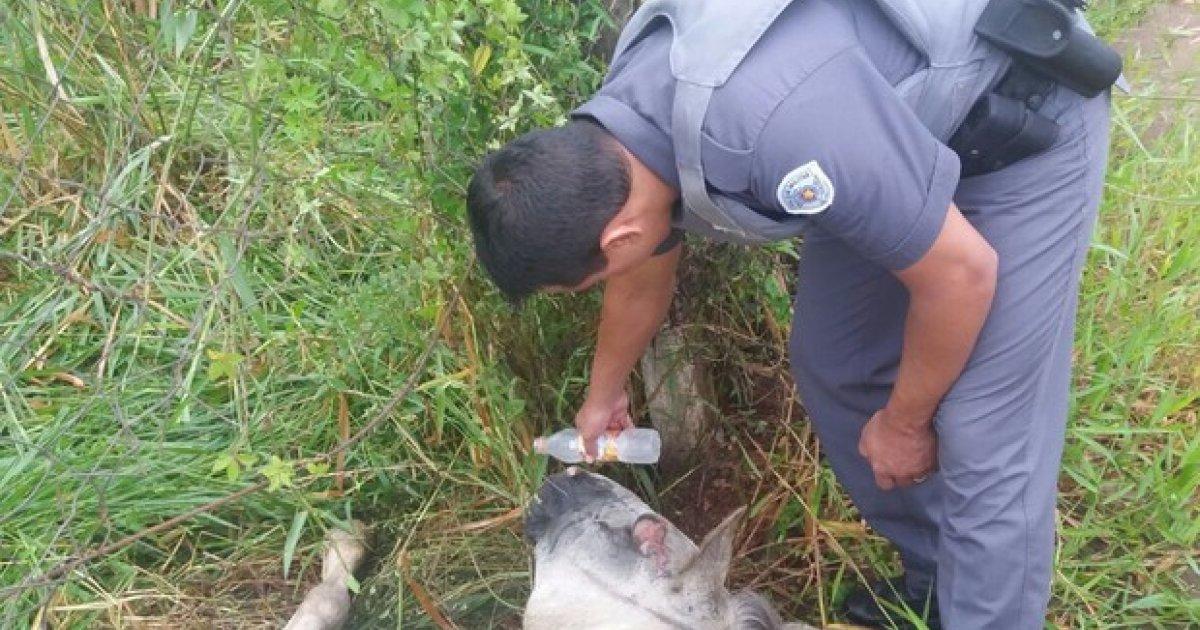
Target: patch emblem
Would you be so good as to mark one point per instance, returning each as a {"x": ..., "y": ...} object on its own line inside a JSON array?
[{"x": 806, "y": 190}]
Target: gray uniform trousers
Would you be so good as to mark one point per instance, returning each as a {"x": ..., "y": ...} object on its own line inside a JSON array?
[{"x": 983, "y": 525}]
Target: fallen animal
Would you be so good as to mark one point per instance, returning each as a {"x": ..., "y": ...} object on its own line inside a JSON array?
[{"x": 604, "y": 560}]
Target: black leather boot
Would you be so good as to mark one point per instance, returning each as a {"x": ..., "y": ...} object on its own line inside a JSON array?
[{"x": 885, "y": 608}]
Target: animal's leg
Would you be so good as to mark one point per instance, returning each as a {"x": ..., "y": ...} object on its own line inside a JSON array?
[{"x": 327, "y": 605}]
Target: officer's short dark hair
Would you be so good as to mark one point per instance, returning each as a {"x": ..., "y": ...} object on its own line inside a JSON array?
[{"x": 538, "y": 206}]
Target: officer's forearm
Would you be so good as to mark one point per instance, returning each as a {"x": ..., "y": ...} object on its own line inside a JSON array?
[
  {"x": 950, "y": 294},
  {"x": 635, "y": 305},
  {"x": 939, "y": 334}
]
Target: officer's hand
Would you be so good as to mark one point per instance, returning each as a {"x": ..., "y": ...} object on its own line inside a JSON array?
[
  {"x": 899, "y": 456},
  {"x": 599, "y": 415}
]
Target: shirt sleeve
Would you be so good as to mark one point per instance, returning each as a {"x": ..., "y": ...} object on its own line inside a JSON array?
[{"x": 844, "y": 149}]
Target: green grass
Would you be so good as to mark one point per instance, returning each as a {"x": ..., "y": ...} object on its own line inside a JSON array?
[
  {"x": 223, "y": 235},
  {"x": 225, "y": 238}
]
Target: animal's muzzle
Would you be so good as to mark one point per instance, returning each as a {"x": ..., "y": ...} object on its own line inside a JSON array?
[{"x": 560, "y": 494}]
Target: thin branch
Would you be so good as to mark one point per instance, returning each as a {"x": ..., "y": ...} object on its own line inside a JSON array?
[{"x": 386, "y": 411}]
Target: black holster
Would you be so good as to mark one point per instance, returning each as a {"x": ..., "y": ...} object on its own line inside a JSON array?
[{"x": 1000, "y": 131}]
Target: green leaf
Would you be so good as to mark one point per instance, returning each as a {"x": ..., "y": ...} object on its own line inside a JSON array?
[
  {"x": 480, "y": 59},
  {"x": 540, "y": 51},
  {"x": 352, "y": 584},
  {"x": 293, "y": 537},
  {"x": 335, "y": 9},
  {"x": 1157, "y": 600},
  {"x": 279, "y": 473},
  {"x": 223, "y": 365},
  {"x": 317, "y": 468},
  {"x": 184, "y": 29},
  {"x": 166, "y": 22},
  {"x": 232, "y": 464},
  {"x": 397, "y": 12},
  {"x": 223, "y": 462},
  {"x": 229, "y": 253}
]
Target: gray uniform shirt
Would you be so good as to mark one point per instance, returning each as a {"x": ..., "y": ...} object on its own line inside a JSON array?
[{"x": 818, "y": 87}]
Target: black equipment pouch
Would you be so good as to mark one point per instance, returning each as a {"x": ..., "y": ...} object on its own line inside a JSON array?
[
  {"x": 1045, "y": 36},
  {"x": 1049, "y": 47}
]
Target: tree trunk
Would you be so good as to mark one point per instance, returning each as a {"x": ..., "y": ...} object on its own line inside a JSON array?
[
  {"x": 679, "y": 395},
  {"x": 606, "y": 41}
]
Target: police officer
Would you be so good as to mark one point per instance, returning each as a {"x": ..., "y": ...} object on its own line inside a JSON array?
[{"x": 934, "y": 313}]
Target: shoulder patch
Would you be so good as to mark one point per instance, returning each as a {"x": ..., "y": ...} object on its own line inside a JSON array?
[{"x": 805, "y": 190}]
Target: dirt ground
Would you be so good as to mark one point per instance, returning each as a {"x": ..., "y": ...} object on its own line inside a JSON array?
[{"x": 1164, "y": 53}]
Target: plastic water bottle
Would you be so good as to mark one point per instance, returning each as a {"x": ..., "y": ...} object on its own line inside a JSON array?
[{"x": 632, "y": 446}]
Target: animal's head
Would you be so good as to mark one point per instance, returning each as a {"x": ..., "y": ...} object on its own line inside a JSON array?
[{"x": 603, "y": 559}]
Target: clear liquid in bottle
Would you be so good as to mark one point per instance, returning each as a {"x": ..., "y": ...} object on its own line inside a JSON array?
[{"x": 632, "y": 446}]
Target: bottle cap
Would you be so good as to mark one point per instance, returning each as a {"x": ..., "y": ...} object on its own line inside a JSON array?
[{"x": 539, "y": 445}]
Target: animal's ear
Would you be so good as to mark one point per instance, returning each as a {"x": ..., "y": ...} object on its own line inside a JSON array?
[
  {"x": 711, "y": 563},
  {"x": 649, "y": 530},
  {"x": 649, "y": 535}
]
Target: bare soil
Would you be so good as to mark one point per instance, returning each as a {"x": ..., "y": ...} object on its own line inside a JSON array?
[
  {"x": 1164, "y": 53},
  {"x": 721, "y": 482}
]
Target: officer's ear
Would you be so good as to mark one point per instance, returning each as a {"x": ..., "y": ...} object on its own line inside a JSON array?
[{"x": 618, "y": 234}]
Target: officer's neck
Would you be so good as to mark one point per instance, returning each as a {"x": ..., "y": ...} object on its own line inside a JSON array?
[{"x": 648, "y": 193}]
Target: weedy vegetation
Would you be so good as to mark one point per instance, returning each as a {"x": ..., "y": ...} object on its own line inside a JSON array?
[{"x": 231, "y": 236}]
